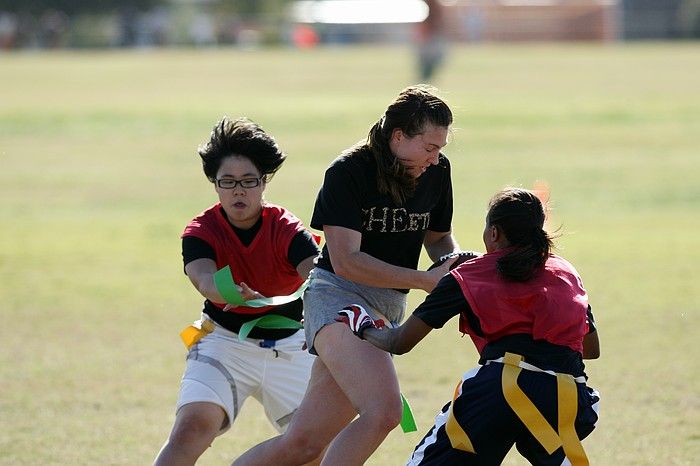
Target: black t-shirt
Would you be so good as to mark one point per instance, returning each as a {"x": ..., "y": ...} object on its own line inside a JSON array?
[
  {"x": 302, "y": 246},
  {"x": 447, "y": 301},
  {"x": 349, "y": 198}
]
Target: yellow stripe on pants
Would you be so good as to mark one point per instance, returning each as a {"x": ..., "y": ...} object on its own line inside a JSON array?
[
  {"x": 527, "y": 412},
  {"x": 458, "y": 437},
  {"x": 567, "y": 401}
]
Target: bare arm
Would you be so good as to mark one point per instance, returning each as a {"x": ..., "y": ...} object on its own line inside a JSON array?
[
  {"x": 201, "y": 274},
  {"x": 305, "y": 267},
  {"x": 350, "y": 263},
  {"x": 398, "y": 340},
  {"x": 591, "y": 345},
  {"x": 439, "y": 243}
]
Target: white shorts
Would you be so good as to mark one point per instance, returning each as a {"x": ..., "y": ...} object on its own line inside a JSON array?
[{"x": 225, "y": 371}]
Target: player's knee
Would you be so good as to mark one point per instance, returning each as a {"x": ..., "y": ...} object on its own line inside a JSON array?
[
  {"x": 194, "y": 431},
  {"x": 384, "y": 418},
  {"x": 305, "y": 446}
]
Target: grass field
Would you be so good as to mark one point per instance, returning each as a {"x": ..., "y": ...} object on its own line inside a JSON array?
[{"x": 98, "y": 176}]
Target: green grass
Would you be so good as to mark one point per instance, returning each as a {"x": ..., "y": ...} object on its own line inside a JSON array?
[{"x": 99, "y": 174}]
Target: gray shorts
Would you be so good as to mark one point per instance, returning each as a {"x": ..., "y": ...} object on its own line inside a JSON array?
[{"x": 328, "y": 293}]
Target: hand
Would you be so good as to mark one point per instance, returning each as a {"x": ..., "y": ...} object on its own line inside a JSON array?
[
  {"x": 454, "y": 259},
  {"x": 247, "y": 294},
  {"x": 443, "y": 265},
  {"x": 358, "y": 319}
]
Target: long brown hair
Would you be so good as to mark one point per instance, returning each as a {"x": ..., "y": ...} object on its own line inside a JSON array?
[{"x": 415, "y": 108}]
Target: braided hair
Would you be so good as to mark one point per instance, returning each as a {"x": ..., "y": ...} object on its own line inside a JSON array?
[{"x": 520, "y": 216}]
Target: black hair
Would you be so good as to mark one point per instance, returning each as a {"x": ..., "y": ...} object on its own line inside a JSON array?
[
  {"x": 520, "y": 215},
  {"x": 412, "y": 111},
  {"x": 240, "y": 137}
]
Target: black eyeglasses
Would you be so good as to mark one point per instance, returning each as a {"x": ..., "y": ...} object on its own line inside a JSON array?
[{"x": 230, "y": 183}]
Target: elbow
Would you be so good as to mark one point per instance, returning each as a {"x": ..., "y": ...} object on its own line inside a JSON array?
[
  {"x": 342, "y": 268},
  {"x": 399, "y": 348}
]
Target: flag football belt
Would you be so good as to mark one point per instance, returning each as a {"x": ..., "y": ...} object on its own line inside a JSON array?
[
  {"x": 228, "y": 289},
  {"x": 527, "y": 412},
  {"x": 204, "y": 326}
]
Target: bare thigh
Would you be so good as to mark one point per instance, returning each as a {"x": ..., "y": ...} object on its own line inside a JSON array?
[
  {"x": 365, "y": 374},
  {"x": 324, "y": 411}
]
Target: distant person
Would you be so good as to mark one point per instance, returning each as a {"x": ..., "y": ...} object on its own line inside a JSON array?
[
  {"x": 431, "y": 41},
  {"x": 8, "y": 31},
  {"x": 202, "y": 30},
  {"x": 53, "y": 26},
  {"x": 268, "y": 250},
  {"x": 527, "y": 312},
  {"x": 381, "y": 202}
]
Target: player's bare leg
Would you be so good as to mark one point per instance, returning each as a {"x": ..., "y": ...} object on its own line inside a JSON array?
[
  {"x": 196, "y": 426},
  {"x": 324, "y": 411},
  {"x": 367, "y": 377}
]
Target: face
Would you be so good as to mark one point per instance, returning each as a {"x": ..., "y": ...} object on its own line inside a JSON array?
[
  {"x": 243, "y": 206},
  {"x": 419, "y": 152}
]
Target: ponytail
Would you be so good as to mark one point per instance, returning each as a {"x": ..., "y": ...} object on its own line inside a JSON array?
[
  {"x": 521, "y": 263},
  {"x": 519, "y": 214},
  {"x": 393, "y": 179}
]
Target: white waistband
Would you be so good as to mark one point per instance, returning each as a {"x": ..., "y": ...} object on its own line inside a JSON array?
[{"x": 530, "y": 367}]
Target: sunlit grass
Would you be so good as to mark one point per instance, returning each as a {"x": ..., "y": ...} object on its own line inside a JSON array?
[{"x": 99, "y": 174}]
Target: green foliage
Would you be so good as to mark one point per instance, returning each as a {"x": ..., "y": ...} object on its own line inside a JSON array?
[
  {"x": 252, "y": 8},
  {"x": 100, "y": 174},
  {"x": 75, "y": 6},
  {"x": 689, "y": 18}
]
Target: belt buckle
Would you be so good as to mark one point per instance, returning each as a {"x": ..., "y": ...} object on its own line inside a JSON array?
[{"x": 267, "y": 343}]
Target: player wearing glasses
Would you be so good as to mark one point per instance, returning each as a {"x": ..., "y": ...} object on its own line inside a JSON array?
[{"x": 270, "y": 253}]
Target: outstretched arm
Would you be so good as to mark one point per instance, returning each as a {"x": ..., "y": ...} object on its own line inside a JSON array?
[
  {"x": 442, "y": 304},
  {"x": 201, "y": 274},
  {"x": 351, "y": 263},
  {"x": 398, "y": 340}
]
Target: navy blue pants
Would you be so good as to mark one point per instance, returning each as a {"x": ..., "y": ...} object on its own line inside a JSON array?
[{"x": 493, "y": 428}]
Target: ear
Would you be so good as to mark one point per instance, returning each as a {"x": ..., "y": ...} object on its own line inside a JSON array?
[
  {"x": 494, "y": 233},
  {"x": 397, "y": 135}
]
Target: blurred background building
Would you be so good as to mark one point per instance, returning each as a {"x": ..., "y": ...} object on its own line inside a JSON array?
[{"x": 249, "y": 23}]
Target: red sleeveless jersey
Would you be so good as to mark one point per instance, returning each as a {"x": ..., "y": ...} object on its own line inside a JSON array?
[
  {"x": 551, "y": 306},
  {"x": 263, "y": 264}
]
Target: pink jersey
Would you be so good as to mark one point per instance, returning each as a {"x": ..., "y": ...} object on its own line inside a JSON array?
[
  {"x": 551, "y": 306},
  {"x": 262, "y": 265}
]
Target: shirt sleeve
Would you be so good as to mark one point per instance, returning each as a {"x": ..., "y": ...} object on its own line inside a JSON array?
[
  {"x": 441, "y": 215},
  {"x": 445, "y": 302},
  {"x": 339, "y": 200},
  {"x": 196, "y": 248},
  {"x": 303, "y": 245}
]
